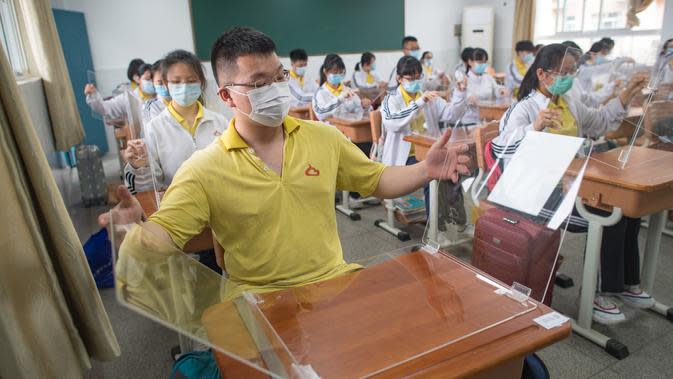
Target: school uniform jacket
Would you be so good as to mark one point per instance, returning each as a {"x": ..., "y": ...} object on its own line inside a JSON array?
[
  {"x": 520, "y": 117},
  {"x": 397, "y": 117},
  {"x": 169, "y": 145},
  {"x": 302, "y": 92},
  {"x": 326, "y": 105}
]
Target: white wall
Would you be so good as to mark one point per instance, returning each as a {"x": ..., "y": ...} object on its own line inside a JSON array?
[
  {"x": 116, "y": 38},
  {"x": 667, "y": 27}
]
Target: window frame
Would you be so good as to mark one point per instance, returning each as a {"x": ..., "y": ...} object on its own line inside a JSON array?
[{"x": 10, "y": 36}]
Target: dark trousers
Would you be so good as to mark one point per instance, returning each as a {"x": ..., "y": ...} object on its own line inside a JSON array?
[{"x": 620, "y": 256}]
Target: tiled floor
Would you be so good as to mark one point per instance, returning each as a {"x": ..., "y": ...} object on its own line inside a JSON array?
[{"x": 145, "y": 344}]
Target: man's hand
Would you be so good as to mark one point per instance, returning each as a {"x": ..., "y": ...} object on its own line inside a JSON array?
[
  {"x": 128, "y": 211},
  {"x": 444, "y": 162}
]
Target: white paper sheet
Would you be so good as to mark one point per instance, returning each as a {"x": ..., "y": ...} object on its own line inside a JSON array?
[
  {"x": 566, "y": 206},
  {"x": 534, "y": 171}
]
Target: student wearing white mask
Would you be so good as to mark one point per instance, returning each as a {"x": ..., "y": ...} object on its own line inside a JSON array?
[
  {"x": 523, "y": 58},
  {"x": 663, "y": 68},
  {"x": 301, "y": 86},
  {"x": 272, "y": 176},
  {"x": 480, "y": 86},
  {"x": 184, "y": 127},
  {"x": 410, "y": 47},
  {"x": 334, "y": 98},
  {"x": 116, "y": 108},
  {"x": 156, "y": 105}
]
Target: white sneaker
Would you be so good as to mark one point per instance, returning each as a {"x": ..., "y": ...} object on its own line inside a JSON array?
[
  {"x": 636, "y": 297},
  {"x": 606, "y": 311}
]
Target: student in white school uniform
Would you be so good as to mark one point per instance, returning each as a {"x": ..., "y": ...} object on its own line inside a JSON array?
[
  {"x": 433, "y": 79},
  {"x": 543, "y": 106},
  {"x": 334, "y": 98},
  {"x": 184, "y": 127},
  {"x": 156, "y": 105},
  {"x": 408, "y": 110},
  {"x": 463, "y": 67},
  {"x": 524, "y": 55},
  {"x": 116, "y": 107},
  {"x": 663, "y": 68},
  {"x": 595, "y": 71},
  {"x": 410, "y": 47},
  {"x": 365, "y": 76},
  {"x": 302, "y": 88},
  {"x": 480, "y": 86}
]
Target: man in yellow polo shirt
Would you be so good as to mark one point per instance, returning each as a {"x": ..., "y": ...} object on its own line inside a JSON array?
[{"x": 266, "y": 186}]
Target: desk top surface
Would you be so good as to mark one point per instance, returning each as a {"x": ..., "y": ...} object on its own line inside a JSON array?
[
  {"x": 496, "y": 104},
  {"x": 425, "y": 141},
  {"x": 343, "y": 122},
  {"x": 647, "y": 170},
  {"x": 406, "y": 314}
]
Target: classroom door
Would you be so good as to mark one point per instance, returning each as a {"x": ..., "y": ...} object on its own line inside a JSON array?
[{"x": 71, "y": 28}]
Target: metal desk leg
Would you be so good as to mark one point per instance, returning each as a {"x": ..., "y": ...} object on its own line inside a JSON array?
[
  {"x": 589, "y": 281},
  {"x": 434, "y": 211},
  {"x": 344, "y": 207},
  {"x": 389, "y": 224},
  {"x": 654, "y": 230}
]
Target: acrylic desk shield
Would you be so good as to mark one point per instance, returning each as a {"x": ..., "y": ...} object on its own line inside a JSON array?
[{"x": 401, "y": 307}]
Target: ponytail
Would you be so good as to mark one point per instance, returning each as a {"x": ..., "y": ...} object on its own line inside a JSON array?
[{"x": 548, "y": 58}]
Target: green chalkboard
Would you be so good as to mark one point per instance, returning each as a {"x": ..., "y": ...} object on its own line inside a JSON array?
[{"x": 318, "y": 26}]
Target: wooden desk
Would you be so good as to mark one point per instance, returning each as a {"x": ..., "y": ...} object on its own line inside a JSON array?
[
  {"x": 492, "y": 110},
  {"x": 627, "y": 127},
  {"x": 202, "y": 242},
  {"x": 421, "y": 146},
  {"x": 300, "y": 112},
  {"x": 417, "y": 314},
  {"x": 644, "y": 186},
  {"x": 358, "y": 131}
]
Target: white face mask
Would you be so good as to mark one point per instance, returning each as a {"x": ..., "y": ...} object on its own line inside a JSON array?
[{"x": 269, "y": 104}]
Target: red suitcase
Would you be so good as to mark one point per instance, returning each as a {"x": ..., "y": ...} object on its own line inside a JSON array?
[{"x": 513, "y": 248}]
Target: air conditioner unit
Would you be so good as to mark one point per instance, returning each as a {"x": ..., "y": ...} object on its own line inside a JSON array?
[{"x": 478, "y": 28}]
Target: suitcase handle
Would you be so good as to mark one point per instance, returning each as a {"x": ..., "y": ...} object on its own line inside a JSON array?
[{"x": 510, "y": 220}]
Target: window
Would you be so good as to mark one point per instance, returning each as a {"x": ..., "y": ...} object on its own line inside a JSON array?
[
  {"x": 586, "y": 21},
  {"x": 9, "y": 34}
]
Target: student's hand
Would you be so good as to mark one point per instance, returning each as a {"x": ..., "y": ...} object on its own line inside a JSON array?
[
  {"x": 128, "y": 211},
  {"x": 447, "y": 162},
  {"x": 429, "y": 95},
  {"x": 136, "y": 153},
  {"x": 461, "y": 84},
  {"x": 633, "y": 87},
  {"x": 547, "y": 118},
  {"x": 347, "y": 93},
  {"x": 383, "y": 85},
  {"x": 366, "y": 103},
  {"x": 472, "y": 100},
  {"x": 89, "y": 89},
  {"x": 503, "y": 92}
]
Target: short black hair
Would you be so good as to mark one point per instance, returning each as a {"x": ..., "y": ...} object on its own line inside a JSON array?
[
  {"x": 479, "y": 54},
  {"x": 609, "y": 42},
  {"x": 408, "y": 39},
  {"x": 298, "y": 55},
  {"x": 571, "y": 44},
  {"x": 144, "y": 68},
  {"x": 133, "y": 68},
  {"x": 237, "y": 42},
  {"x": 408, "y": 65},
  {"x": 466, "y": 54},
  {"x": 156, "y": 66},
  {"x": 598, "y": 46},
  {"x": 425, "y": 53},
  {"x": 524, "y": 45}
]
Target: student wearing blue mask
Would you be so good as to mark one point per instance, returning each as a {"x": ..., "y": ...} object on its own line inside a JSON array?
[
  {"x": 365, "y": 75},
  {"x": 523, "y": 57},
  {"x": 302, "y": 88},
  {"x": 182, "y": 128},
  {"x": 663, "y": 68},
  {"x": 434, "y": 79},
  {"x": 480, "y": 86},
  {"x": 409, "y": 110},
  {"x": 410, "y": 47},
  {"x": 116, "y": 107},
  {"x": 154, "y": 106},
  {"x": 543, "y": 106},
  {"x": 334, "y": 98}
]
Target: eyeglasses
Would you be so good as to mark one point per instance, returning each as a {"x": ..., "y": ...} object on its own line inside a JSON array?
[
  {"x": 282, "y": 76},
  {"x": 569, "y": 72}
]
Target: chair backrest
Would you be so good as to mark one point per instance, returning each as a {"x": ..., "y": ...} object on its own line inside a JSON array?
[
  {"x": 311, "y": 114},
  {"x": 375, "y": 122},
  {"x": 484, "y": 135}
]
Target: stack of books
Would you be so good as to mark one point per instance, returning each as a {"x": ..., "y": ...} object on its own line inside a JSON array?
[{"x": 411, "y": 207}]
